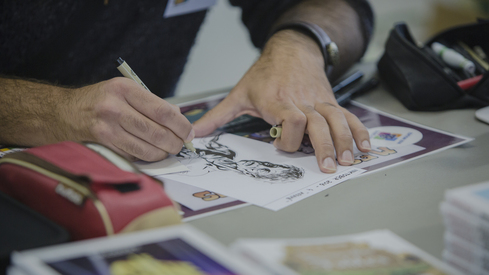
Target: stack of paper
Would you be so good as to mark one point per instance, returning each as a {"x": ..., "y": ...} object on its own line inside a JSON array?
[
  {"x": 466, "y": 215},
  {"x": 374, "y": 252}
]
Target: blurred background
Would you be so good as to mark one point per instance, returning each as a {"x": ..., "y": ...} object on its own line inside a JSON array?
[{"x": 223, "y": 52}]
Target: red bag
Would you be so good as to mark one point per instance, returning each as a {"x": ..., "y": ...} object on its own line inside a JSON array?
[{"x": 89, "y": 194}]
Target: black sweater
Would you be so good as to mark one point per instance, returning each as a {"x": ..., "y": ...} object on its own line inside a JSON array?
[{"x": 75, "y": 43}]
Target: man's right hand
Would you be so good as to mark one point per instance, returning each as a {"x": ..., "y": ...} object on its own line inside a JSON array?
[
  {"x": 129, "y": 119},
  {"x": 117, "y": 113}
]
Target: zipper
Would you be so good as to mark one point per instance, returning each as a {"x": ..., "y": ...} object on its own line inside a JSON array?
[{"x": 17, "y": 159}]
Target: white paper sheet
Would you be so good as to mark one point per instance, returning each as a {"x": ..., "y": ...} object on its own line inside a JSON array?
[
  {"x": 166, "y": 166},
  {"x": 250, "y": 170}
]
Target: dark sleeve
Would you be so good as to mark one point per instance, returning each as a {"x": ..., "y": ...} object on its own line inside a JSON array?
[
  {"x": 259, "y": 15},
  {"x": 366, "y": 15}
]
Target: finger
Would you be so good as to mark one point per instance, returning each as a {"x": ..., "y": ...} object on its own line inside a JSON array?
[
  {"x": 158, "y": 110},
  {"x": 227, "y": 110},
  {"x": 320, "y": 137},
  {"x": 120, "y": 152},
  {"x": 293, "y": 127},
  {"x": 138, "y": 148},
  {"x": 359, "y": 131},
  {"x": 126, "y": 144},
  {"x": 144, "y": 128},
  {"x": 340, "y": 132}
]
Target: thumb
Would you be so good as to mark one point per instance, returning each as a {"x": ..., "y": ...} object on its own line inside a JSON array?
[{"x": 222, "y": 113}]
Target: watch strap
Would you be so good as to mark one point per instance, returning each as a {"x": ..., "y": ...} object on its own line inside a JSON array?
[{"x": 329, "y": 49}]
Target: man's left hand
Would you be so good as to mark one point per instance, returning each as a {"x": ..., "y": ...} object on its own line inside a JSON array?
[{"x": 288, "y": 86}]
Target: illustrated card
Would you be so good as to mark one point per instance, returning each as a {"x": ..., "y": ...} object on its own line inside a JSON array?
[
  {"x": 173, "y": 250},
  {"x": 374, "y": 252}
]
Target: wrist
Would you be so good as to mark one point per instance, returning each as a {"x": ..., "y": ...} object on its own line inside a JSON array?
[
  {"x": 76, "y": 113},
  {"x": 294, "y": 43},
  {"x": 328, "y": 48}
]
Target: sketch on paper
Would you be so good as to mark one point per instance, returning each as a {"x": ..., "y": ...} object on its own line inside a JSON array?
[
  {"x": 219, "y": 157},
  {"x": 247, "y": 170}
]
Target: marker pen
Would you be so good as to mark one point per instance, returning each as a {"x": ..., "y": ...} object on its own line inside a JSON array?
[
  {"x": 129, "y": 73},
  {"x": 453, "y": 58},
  {"x": 347, "y": 81},
  {"x": 442, "y": 64},
  {"x": 356, "y": 91}
]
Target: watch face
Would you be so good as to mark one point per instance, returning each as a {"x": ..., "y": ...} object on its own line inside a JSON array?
[{"x": 333, "y": 53}]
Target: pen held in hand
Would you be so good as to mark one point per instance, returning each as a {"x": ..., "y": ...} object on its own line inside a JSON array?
[
  {"x": 126, "y": 71},
  {"x": 129, "y": 73}
]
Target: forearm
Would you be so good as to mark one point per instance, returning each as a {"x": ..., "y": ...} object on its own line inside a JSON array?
[
  {"x": 338, "y": 19},
  {"x": 31, "y": 113}
]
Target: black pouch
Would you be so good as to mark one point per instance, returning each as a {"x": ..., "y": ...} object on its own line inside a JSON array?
[{"x": 420, "y": 79}]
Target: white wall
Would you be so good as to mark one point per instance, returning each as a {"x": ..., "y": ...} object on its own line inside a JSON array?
[
  {"x": 223, "y": 50},
  {"x": 222, "y": 54}
]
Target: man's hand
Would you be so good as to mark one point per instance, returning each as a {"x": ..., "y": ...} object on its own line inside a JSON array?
[
  {"x": 130, "y": 120},
  {"x": 288, "y": 86},
  {"x": 117, "y": 113}
]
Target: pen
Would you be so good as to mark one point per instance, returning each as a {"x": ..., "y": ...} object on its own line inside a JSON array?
[
  {"x": 347, "y": 81},
  {"x": 453, "y": 58},
  {"x": 477, "y": 59},
  {"x": 480, "y": 52},
  {"x": 129, "y": 73},
  {"x": 440, "y": 62},
  {"x": 276, "y": 130},
  {"x": 358, "y": 90}
]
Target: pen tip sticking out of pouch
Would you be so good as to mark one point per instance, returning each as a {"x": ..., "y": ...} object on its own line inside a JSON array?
[{"x": 453, "y": 58}]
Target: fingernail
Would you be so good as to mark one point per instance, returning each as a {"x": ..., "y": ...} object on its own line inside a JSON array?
[
  {"x": 347, "y": 156},
  {"x": 190, "y": 136},
  {"x": 329, "y": 165},
  {"x": 366, "y": 144}
]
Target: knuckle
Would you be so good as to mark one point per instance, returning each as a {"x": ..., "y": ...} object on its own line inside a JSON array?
[
  {"x": 106, "y": 109},
  {"x": 336, "y": 112},
  {"x": 146, "y": 154},
  {"x": 141, "y": 125},
  {"x": 136, "y": 150},
  {"x": 150, "y": 155},
  {"x": 101, "y": 132},
  {"x": 157, "y": 136},
  {"x": 176, "y": 147},
  {"x": 331, "y": 108},
  {"x": 164, "y": 113},
  {"x": 345, "y": 135},
  {"x": 308, "y": 109},
  {"x": 162, "y": 139},
  {"x": 297, "y": 119},
  {"x": 118, "y": 85}
]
